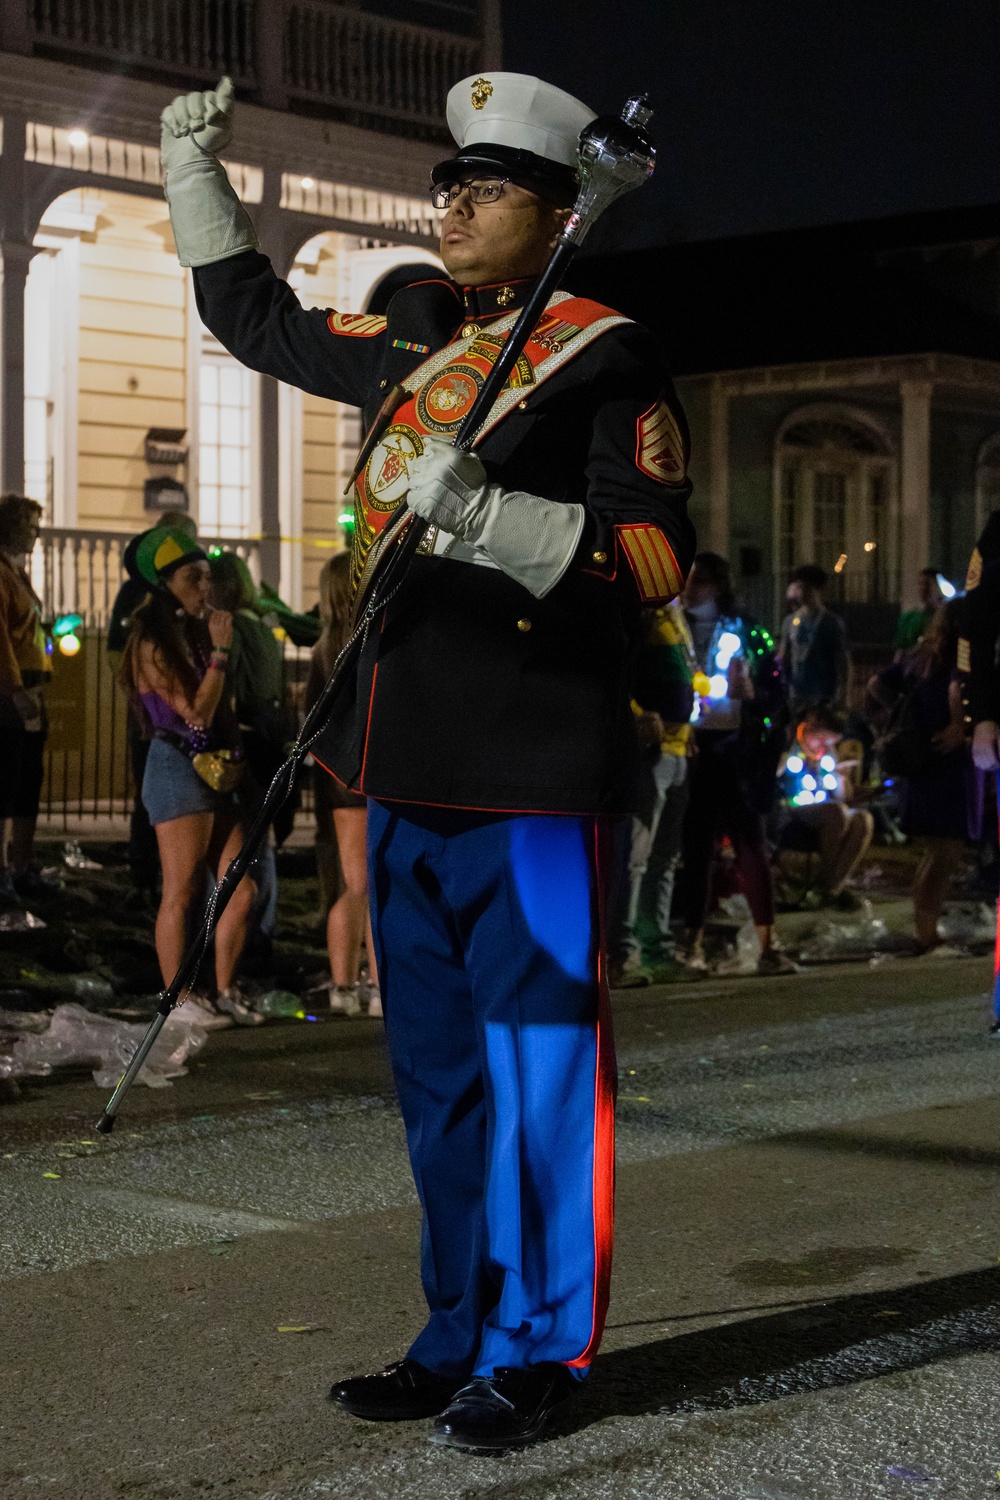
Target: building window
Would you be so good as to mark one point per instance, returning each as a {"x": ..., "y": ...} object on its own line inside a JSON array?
[
  {"x": 834, "y": 483},
  {"x": 987, "y": 480},
  {"x": 225, "y": 448}
]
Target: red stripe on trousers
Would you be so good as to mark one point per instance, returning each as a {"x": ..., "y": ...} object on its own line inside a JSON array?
[{"x": 605, "y": 1090}]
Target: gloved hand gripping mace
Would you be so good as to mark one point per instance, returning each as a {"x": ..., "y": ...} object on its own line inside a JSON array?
[{"x": 615, "y": 156}]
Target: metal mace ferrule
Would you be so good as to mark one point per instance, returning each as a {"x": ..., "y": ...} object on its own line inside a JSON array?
[{"x": 615, "y": 156}]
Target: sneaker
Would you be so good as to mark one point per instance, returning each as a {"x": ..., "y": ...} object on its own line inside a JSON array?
[
  {"x": 374, "y": 1001},
  {"x": 344, "y": 999},
  {"x": 773, "y": 961},
  {"x": 32, "y": 884},
  {"x": 198, "y": 1010},
  {"x": 232, "y": 1003},
  {"x": 630, "y": 975}
]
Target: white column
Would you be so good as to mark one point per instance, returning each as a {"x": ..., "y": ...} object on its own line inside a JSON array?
[
  {"x": 290, "y": 492},
  {"x": 491, "y": 35},
  {"x": 718, "y": 469},
  {"x": 915, "y": 485}
]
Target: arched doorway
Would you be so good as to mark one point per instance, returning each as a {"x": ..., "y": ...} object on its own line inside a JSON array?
[{"x": 835, "y": 501}]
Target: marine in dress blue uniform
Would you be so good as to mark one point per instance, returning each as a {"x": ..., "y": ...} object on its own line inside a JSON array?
[{"x": 490, "y": 727}]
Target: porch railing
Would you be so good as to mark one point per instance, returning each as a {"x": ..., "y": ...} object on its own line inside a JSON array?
[
  {"x": 315, "y": 55},
  {"x": 364, "y": 63},
  {"x": 182, "y": 36},
  {"x": 79, "y": 572}
]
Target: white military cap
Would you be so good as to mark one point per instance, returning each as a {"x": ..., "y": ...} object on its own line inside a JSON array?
[{"x": 519, "y": 123}]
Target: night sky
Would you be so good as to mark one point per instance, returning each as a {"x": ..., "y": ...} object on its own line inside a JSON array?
[{"x": 779, "y": 114}]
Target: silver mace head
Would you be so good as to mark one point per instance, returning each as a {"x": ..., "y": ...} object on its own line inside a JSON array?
[{"x": 615, "y": 156}]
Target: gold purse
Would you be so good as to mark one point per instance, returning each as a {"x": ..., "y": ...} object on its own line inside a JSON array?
[{"x": 219, "y": 769}]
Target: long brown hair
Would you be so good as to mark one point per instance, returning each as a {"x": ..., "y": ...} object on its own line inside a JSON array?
[
  {"x": 334, "y": 609},
  {"x": 937, "y": 649},
  {"x": 181, "y": 645}
]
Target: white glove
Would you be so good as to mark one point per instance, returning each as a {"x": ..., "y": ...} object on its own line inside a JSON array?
[
  {"x": 984, "y": 746},
  {"x": 530, "y": 538},
  {"x": 209, "y": 221}
]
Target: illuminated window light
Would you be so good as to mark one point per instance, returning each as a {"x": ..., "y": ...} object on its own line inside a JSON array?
[
  {"x": 794, "y": 764},
  {"x": 828, "y": 763},
  {"x": 78, "y": 139},
  {"x": 809, "y": 782},
  {"x": 830, "y": 782}
]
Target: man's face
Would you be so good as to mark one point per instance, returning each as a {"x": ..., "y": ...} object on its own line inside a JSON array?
[
  {"x": 793, "y": 594},
  {"x": 482, "y": 243}
]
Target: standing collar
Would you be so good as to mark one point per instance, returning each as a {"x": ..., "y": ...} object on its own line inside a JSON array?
[{"x": 497, "y": 298}]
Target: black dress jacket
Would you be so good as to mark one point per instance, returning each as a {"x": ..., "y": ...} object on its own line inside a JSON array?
[{"x": 475, "y": 694}]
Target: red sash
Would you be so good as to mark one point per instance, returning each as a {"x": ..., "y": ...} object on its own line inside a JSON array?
[{"x": 443, "y": 388}]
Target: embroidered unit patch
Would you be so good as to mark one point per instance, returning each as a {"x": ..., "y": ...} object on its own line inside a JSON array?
[
  {"x": 659, "y": 448},
  {"x": 975, "y": 573},
  {"x": 652, "y": 561},
  {"x": 411, "y": 348},
  {"x": 358, "y": 325}
]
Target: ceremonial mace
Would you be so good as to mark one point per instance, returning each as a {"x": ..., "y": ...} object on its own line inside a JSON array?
[{"x": 615, "y": 156}]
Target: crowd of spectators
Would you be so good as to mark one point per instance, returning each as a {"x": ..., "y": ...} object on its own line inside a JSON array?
[
  {"x": 757, "y": 751},
  {"x": 760, "y": 753}
]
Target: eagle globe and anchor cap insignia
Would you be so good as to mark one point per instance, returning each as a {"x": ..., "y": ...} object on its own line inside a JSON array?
[{"x": 482, "y": 91}]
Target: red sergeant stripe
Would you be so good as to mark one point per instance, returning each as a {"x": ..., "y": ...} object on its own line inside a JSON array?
[{"x": 605, "y": 1088}]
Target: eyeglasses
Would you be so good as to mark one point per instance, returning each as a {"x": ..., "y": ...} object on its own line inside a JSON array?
[{"x": 481, "y": 190}]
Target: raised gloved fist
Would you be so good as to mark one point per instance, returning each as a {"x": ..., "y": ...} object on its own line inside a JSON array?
[
  {"x": 450, "y": 489},
  {"x": 984, "y": 745},
  {"x": 197, "y": 125}
]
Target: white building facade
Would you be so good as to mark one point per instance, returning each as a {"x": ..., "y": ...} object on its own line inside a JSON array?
[{"x": 115, "y": 399}]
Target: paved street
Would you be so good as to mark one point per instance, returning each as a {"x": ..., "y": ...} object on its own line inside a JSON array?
[{"x": 807, "y": 1289}]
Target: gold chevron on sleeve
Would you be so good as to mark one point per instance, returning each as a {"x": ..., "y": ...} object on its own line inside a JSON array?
[
  {"x": 659, "y": 448},
  {"x": 357, "y": 325},
  {"x": 652, "y": 562}
]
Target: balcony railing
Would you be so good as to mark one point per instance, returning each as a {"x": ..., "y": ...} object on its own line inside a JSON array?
[
  {"x": 365, "y": 64},
  {"x": 184, "y": 36},
  {"x": 79, "y": 572},
  {"x": 318, "y": 56}
]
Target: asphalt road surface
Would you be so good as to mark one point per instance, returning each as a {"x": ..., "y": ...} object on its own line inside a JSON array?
[{"x": 806, "y": 1297}]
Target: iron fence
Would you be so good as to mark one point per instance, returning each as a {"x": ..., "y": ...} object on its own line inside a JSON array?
[{"x": 88, "y": 771}]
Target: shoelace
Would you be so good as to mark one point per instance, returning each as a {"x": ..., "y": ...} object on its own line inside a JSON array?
[{"x": 482, "y": 1391}]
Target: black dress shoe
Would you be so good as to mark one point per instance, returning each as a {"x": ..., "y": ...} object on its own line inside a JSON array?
[
  {"x": 508, "y": 1409},
  {"x": 400, "y": 1393}
]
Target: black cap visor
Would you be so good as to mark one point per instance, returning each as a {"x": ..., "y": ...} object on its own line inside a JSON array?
[{"x": 550, "y": 179}]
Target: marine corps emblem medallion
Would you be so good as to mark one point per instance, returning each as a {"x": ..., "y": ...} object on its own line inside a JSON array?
[
  {"x": 482, "y": 90},
  {"x": 387, "y": 473},
  {"x": 443, "y": 402}
]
